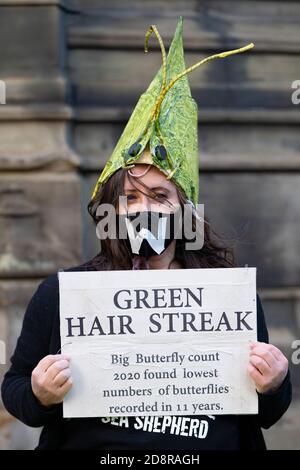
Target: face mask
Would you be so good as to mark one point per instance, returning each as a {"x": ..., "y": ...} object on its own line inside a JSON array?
[{"x": 149, "y": 233}]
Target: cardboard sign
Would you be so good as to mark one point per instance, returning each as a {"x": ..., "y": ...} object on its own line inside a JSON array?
[{"x": 159, "y": 342}]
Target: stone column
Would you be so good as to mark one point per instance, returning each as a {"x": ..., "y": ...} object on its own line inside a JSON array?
[{"x": 40, "y": 211}]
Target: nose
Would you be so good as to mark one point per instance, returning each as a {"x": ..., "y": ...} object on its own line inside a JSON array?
[{"x": 145, "y": 203}]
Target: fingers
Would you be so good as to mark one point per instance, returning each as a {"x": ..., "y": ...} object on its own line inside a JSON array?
[
  {"x": 62, "y": 377},
  {"x": 262, "y": 358},
  {"x": 258, "y": 379},
  {"x": 56, "y": 368},
  {"x": 254, "y": 373},
  {"x": 277, "y": 353},
  {"x": 264, "y": 349},
  {"x": 267, "y": 366},
  {"x": 66, "y": 387},
  {"x": 47, "y": 361},
  {"x": 261, "y": 365},
  {"x": 269, "y": 347},
  {"x": 265, "y": 354},
  {"x": 51, "y": 379}
]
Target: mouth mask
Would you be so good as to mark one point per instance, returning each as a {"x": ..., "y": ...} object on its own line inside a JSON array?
[{"x": 149, "y": 233}]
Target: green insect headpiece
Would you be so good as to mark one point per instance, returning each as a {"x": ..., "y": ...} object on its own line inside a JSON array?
[{"x": 164, "y": 121}]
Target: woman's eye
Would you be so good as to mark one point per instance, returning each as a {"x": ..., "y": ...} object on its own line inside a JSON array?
[
  {"x": 161, "y": 196},
  {"x": 131, "y": 197}
]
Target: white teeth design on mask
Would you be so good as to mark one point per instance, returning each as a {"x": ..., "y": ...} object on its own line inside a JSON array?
[{"x": 157, "y": 244}]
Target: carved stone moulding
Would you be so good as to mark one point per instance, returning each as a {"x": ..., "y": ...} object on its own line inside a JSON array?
[
  {"x": 40, "y": 223},
  {"x": 29, "y": 145}
]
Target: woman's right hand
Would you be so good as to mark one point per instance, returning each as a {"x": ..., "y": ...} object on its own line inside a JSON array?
[{"x": 51, "y": 379}]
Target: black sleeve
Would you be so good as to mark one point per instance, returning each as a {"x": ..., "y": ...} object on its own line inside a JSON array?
[
  {"x": 32, "y": 346},
  {"x": 271, "y": 406}
]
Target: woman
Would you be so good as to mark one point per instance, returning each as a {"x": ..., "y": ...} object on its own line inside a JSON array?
[
  {"x": 38, "y": 380},
  {"x": 157, "y": 179}
]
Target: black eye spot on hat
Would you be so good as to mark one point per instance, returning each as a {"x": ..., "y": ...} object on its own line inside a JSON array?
[
  {"x": 134, "y": 149},
  {"x": 161, "y": 152}
]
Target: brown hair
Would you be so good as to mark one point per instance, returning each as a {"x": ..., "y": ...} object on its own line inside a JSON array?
[{"x": 114, "y": 254}]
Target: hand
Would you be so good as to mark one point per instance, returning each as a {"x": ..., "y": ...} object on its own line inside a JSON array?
[
  {"x": 267, "y": 367},
  {"x": 51, "y": 379}
]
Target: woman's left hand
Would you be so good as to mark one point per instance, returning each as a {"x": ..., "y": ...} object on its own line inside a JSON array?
[{"x": 267, "y": 367}]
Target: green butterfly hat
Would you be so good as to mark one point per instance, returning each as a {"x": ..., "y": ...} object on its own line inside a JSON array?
[{"x": 163, "y": 127}]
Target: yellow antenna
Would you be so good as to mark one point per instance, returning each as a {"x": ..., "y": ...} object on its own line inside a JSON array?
[
  {"x": 153, "y": 29},
  {"x": 221, "y": 55}
]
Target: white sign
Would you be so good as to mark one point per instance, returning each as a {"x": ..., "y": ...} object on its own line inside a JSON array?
[{"x": 163, "y": 342}]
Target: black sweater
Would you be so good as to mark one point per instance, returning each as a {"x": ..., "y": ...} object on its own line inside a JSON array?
[{"x": 40, "y": 336}]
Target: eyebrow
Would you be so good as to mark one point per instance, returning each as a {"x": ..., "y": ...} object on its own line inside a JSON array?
[{"x": 155, "y": 188}]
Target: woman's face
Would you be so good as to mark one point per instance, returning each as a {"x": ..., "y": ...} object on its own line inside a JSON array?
[{"x": 156, "y": 181}]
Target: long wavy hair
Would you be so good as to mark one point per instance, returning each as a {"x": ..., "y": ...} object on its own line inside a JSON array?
[{"x": 114, "y": 253}]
